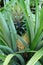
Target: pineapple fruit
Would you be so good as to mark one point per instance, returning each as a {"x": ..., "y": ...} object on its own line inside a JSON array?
[{"x": 20, "y": 26}]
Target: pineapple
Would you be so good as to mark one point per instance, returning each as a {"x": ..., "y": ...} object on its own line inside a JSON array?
[{"x": 18, "y": 18}]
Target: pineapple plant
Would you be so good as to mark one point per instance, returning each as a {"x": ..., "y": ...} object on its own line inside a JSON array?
[
  {"x": 20, "y": 25},
  {"x": 13, "y": 41}
]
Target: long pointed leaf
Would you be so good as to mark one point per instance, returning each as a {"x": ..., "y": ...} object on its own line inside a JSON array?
[{"x": 35, "y": 57}]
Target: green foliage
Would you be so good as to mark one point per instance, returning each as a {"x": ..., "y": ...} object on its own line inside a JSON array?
[{"x": 9, "y": 52}]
